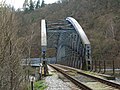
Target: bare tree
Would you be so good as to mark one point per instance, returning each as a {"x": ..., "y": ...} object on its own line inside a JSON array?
[{"x": 11, "y": 51}]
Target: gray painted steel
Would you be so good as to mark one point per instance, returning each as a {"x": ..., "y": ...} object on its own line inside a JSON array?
[
  {"x": 79, "y": 29},
  {"x": 70, "y": 41},
  {"x": 43, "y": 34},
  {"x": 43, "y": 43}
]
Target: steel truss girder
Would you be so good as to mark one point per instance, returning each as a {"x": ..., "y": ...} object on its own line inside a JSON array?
[
  {"x": 71, "y": 43},
  {"x": 86, "y": 52}
]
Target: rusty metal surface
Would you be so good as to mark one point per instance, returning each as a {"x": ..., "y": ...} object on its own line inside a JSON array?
[
  {"x": 114, "y": 85},
  {"x": 74, "y": 80}
]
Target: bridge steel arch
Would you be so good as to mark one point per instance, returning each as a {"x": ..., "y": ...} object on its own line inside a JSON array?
[
  {"x": 70, "y": 41},
  {"x": 84, "y": 41}
]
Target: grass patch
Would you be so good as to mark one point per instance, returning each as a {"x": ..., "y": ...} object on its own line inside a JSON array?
[
  {"x": 40, "y": 85},
  {"x": 49, "y": 74}
]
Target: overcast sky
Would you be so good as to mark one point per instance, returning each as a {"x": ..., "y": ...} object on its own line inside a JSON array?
[{"x": 19, "y": 3}]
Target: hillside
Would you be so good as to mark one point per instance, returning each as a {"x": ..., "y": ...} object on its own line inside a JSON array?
[
  {"x": 100, "y": 20},
  {"x": 20, "y": 35}
]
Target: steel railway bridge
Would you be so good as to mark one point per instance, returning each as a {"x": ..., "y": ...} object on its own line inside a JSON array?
[{"x": 70, "y": 41}]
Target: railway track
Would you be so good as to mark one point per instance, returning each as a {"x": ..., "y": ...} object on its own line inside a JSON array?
[{"x": 86, "y": 81}]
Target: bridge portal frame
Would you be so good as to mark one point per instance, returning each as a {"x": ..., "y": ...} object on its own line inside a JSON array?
[{"x": 84, "y": 42}]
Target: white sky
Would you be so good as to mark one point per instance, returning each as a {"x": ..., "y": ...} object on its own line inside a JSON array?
[{"x": 19, "y": 3}]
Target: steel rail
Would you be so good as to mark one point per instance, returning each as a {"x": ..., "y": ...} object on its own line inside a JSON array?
[
  {"x": 74, "y": 80},
  {"x": 104, "y": 81}
]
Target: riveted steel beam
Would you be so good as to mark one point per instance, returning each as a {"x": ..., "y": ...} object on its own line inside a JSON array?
[{"x": 43, "y": 35}]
